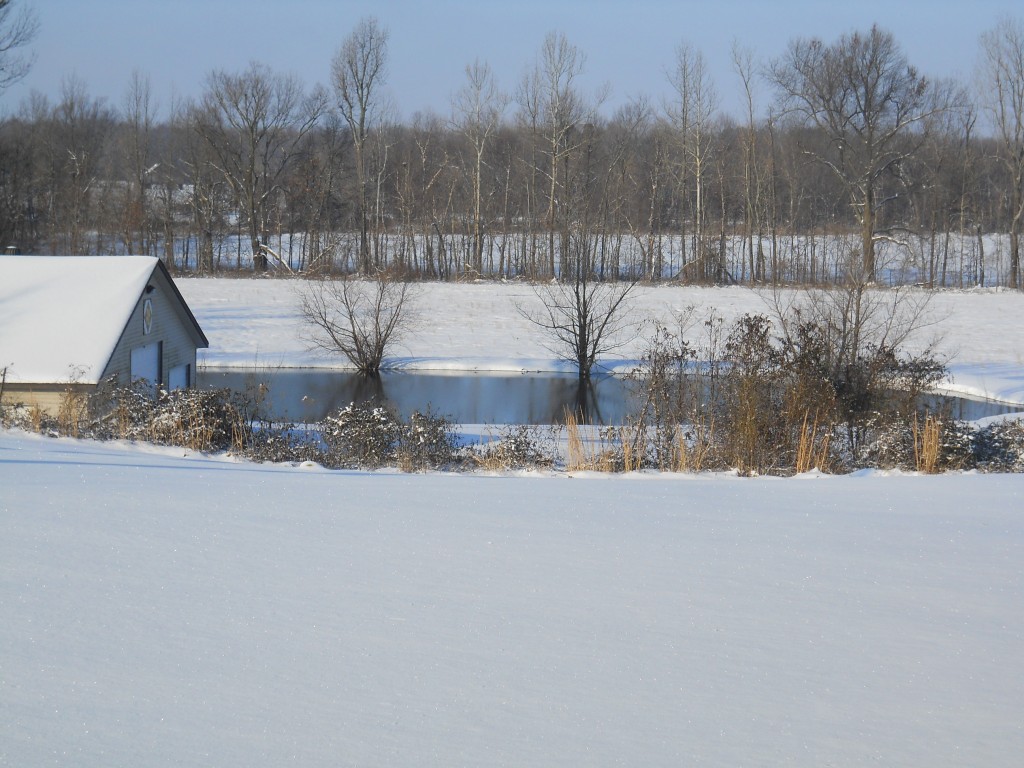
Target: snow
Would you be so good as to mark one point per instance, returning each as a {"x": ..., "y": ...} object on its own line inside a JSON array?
[
  {"x": 478, "y": 327},
  {"x": 159, "y": 607},
  {"x": 162, "y": 609},
  {"x": 61, "y": 317}
]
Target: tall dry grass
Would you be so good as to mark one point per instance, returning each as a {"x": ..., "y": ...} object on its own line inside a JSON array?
[{"x": 927, "y": 444}]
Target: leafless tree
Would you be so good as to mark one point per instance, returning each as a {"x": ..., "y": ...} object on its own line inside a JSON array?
[
  {"x": 138, "y": 114},
  {"x": 690, "y": 114},
  {"x": 358, "y": 72},
  {"x": 477, "y": 109},
  {"x": 18, "y": 27},
  {"x": 753, "y": 172},
  {"x": 583, "y": 318},
  {"x": 552, "y": 105},
  {"x": 77, "y": 145},
  {"x": 254, "y": 123},
  {"x": 866, "y": 97},
  {"x": 360, "y": 318},
  {"x": 1003, "y": 89}
]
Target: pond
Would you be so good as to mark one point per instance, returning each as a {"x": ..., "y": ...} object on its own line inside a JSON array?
[{"x": 309, "y": 394}]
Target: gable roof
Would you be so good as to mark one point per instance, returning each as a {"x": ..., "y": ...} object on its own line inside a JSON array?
[{"x": 62, "y": 316}]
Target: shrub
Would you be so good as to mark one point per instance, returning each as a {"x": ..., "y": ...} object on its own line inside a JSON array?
[
  {"x": 921, "y": 442},
  {"x": 670, "y": 395},
  {"x": 519, "y": 446},
  {"x": 203, "y": 420},
  {"x": 361, "y": 437},
  {"x": 999, "y": 446},
  {"x": 751, "y": 416},
  {"x": 428, "y": 441},
  {"x": 283, "y": 443}
]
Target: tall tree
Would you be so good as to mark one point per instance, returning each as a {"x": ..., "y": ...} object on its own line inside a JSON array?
[
  {"x": 1003, "y": 89},
  {"x": 753, "y": 182},
  {"x": 478, "y": 107},
  {"x": 866, "y": 97},
  {"x": 690, "y": 115},
  {"x": 18, "y": 27},
  {"x": 358, "y": 72},
  {"x": 254, "y": 123},
  {"x": 139, "y": 115},
  {"x": 80, "y": 127},
  {"x": 553, "y": 106}
]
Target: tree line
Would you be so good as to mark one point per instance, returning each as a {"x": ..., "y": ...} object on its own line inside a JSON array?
[{"x": 858, "y": 161}]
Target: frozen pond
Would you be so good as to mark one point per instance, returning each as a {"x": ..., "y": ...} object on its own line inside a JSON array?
[{"x": 309, "y": 394}]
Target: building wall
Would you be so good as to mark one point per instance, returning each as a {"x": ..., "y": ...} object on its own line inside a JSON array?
[
  {"x": 48, "y": 398},
  {"x": 168, "y": 327}
]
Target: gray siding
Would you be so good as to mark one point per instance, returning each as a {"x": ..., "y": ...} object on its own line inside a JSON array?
[{"x": 169, "y": 327}]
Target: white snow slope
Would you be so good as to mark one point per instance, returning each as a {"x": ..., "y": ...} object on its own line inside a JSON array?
[
  {"x": 167, "y": 610},
  {"x": 477, "y": 326}
]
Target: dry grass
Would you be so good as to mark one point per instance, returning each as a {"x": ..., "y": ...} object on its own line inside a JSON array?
[
  {"x": 927, "y": 444},
  {"x": 594, "y": 455},
  {"x": 74, "y": 407},
  {"x": 812, "y": 447},
  {"x": 36, "y": 418},
  {"x": 693, "y": 455}
]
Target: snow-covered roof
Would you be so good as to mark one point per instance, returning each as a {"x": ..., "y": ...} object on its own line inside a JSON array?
[{"x": 62, "y": 316}]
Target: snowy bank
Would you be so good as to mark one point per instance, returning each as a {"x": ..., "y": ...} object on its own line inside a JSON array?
[{"x": 170, "y": 610}]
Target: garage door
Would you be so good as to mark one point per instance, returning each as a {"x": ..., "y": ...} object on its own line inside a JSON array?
[{"x": 146, "y": 365}]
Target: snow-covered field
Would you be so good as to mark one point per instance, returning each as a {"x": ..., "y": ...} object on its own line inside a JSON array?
[
  {"x": 159, "y": 608},
  {"x": 476, "y": 326}
]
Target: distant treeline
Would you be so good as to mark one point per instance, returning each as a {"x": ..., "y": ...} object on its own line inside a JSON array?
[{"x": 859, "y": 161}]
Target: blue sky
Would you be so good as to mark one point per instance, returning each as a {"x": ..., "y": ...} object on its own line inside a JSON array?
[{"x": 628, "y": 44}]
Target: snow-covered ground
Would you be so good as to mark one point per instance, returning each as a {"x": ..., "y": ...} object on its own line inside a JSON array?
[
  {"x": 160, "y": 608},
  {"x": 476, "y": 326},
  {"x": 169, "y": 610}
]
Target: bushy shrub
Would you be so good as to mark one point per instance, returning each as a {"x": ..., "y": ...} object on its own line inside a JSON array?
[
  {"x": 283, "y": 443},
  {"x": 361, "y": 437},
  {"x": 755, "y": 433},
  {"x": 923, "y": 442},
  {"x": 519, "y": 446},
  {"x": 427, "y": 441},
  {"x": 669, "y": 395},
  {"x": 203, "y": 420},
  {"x": 999, "y": 447},
  {"x": 784, "y": 397},
  {"x": 120, "y": 413}
]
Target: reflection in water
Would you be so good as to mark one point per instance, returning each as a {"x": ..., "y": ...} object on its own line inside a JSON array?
[{"x": 308, "y": 395}]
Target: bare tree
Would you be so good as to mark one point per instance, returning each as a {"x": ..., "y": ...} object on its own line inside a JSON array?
[
  {"x": 139, "y": 115},
  {"x": 583, "y": 318},
  {"x": 360, "y": 318},
  {"x": 552, "y": 105},
  {"x": 78, "y": 143},
  {"x": 1003, "y": 89},
  {"x": 254, "y": 123},
  {"x": 18, "y": 27},
  {"x": 358, "y": 73},
  {"x": 478, "y": 108},
  {"x": 753, "y": 182},
  {"x": 866, "y": 97},
  {"x": 690, "y": 114}
]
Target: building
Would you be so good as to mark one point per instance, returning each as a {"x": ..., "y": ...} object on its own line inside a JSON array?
[{"x": 68, "y": 323}]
